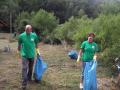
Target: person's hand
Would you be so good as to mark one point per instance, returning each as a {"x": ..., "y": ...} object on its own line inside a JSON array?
[
  {"x": 95, "y": 57},
  {"x": 78, "y": 59},
  {"x": 37, "y": 51}
]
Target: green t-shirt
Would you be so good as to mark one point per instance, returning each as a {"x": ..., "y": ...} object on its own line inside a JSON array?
[
  {"x": 28, "y": 44},
  {"x": 89, "y": 50}
]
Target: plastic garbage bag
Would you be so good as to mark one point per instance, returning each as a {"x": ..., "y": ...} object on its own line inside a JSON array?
[
  {"x": 73, "y": 54},
  {"x": 90, "y": 81},
  {"x": 39, "y": 68}
]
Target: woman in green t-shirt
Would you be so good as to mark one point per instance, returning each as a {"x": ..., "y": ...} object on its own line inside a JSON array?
[{"x": 87, "y": 53}]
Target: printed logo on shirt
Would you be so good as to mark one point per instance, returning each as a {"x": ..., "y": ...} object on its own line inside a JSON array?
[
  {"x": 93, "y": 47},
  {"x": 32, "y": 39}
]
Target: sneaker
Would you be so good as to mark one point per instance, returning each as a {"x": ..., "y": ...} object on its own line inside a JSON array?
[{"x": 81, "y": 86}]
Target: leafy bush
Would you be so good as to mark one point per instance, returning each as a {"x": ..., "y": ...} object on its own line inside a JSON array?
[
  {"x": 74, "y": 30},
  {"x": 22, "y": 20},
  {"x": 108, "y": 57},
  {"x": 44, "y": 22},
  {"x": 46, "y": 41},
  {"x": 106, "y": 28}
]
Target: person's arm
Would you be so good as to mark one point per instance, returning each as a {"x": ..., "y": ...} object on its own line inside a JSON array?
[
  {"x": 96, "y": 53},
  {"x": 79, "y": 55},
  {"x": 36, "y": 43},
  {"x": 95, "y": 56},
  {"x": 19, "y": 43},
  {"x": 81, "y": 51},
  {"x": 19, "y": 47},
  {"x": 37, "y": 50}
]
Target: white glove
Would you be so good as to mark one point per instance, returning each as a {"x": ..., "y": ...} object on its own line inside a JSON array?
[
  {"x": 37, "y": 51},
  {"x": 95, "y": 57},
  {"x": 78, "y": 59}
]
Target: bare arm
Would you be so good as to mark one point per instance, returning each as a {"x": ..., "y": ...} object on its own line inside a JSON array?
[
  {"x": 19, "y": 47},
  {"x": 96, "y": 53},
  {"x": 80, "y": 52},
  {"x": 36, "y": 41},
  {"x": 95, "y": 56},
  {"x": 19, "y": 43},
  {"x": 79, "y": 55},
  {"x": 37, "y": 49},
  {"x": 36, "y": 45}
]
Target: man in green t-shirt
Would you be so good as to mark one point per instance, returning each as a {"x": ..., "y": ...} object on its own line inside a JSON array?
[
  {"x": 27, "y": 43},
  {"x": 87, "y": 53}
]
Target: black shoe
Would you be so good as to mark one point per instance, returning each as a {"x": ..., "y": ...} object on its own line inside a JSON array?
[
  {"x": 29, "y": 79},
  {"x": 37, "y": 81},
  {"x": 23, "y": 87}
]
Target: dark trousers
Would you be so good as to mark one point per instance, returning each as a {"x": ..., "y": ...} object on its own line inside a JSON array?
[{"x": 27, "y": 68}]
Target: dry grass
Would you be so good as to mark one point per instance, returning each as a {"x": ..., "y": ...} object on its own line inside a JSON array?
[{"x": 4, "y": 35}]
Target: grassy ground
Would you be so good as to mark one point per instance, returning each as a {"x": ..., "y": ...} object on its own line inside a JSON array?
[{"x": 62, "y": 73}]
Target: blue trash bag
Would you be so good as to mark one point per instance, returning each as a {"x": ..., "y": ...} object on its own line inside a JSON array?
[
  {"x": 73, "y": 54},
  {"x": 90, "y": 81},
  {"x": 39, "y": 68}
]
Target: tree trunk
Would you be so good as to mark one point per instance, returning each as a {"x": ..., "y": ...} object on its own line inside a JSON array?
[{"x": 11, "y": 23}]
